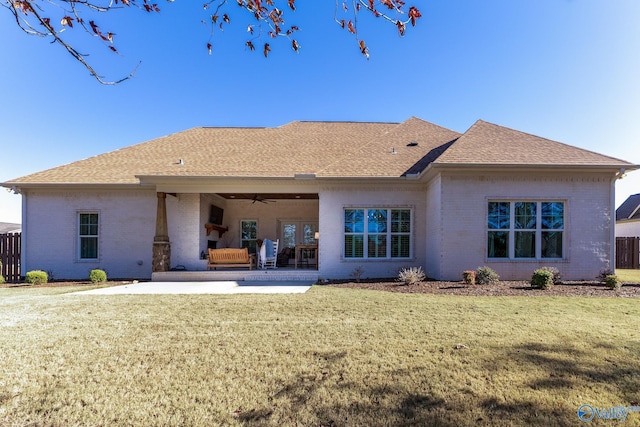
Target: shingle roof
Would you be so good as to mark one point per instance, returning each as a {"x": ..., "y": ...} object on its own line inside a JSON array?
[
  {"x": 629, "y": 209},
  {"x": 487, "y": 143},
  {"x": 326, "y": 149}
]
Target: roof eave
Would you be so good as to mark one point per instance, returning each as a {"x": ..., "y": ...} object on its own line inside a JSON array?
[
  {"x": 13, "y": 186},
  {"x": 610, "y": 167},
  {"x": 433, "y": 168}
]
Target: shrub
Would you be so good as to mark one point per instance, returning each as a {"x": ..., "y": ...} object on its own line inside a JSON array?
[
  {"x": 98, "y": 276},
  {"x": 411, "y": 276},
  {"x": 542, "y": 279},
  {"x": 357, "y": 273},
  {"x": 612, "y": 281},
  {"x": 486, "y": 276},
  {"x": 555, "y": 272},
  {"x": 36, "y": 277},
  {"x": 1, "y": 279},
  {"x": 603, "y": 274},
  {"x": 469, "y": 277}
]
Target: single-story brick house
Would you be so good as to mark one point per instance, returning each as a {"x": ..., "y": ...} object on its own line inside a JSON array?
[
  {"x": 628, "y": 217},
  {"x": 378, "y": 196}
]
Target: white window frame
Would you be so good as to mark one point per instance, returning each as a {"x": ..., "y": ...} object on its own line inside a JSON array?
[
  {"x": 80, "y": 236},
  {"x": 389, "y": 234},
  {"x": 538, "y": 230}
]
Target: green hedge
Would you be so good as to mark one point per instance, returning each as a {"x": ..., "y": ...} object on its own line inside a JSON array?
[
  {"x": 36, "y": 277},
  {"x": 98, "y": 276}
]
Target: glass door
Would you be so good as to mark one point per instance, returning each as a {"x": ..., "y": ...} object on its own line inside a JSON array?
[{"x": 296, "y": 232}]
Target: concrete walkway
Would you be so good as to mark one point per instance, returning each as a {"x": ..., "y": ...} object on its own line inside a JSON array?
[{"x": 226, "y": 287}]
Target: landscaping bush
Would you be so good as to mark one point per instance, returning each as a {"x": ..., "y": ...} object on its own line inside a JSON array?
[
  {"x": 469, "y": 277},
  {"x": 357, "y": 273},
  {"x": 556, "y": 274},
  {"x": 602, "y": 277},
  {"x": 98, "y": 276},
  {"x": 1, "y": 279},
  {"x": 542, "y": 279},
  {"x": 611, "y": 281},
  {"x": 411, "y": 276},
  {"x": 36, "y": 277},
  {"x": 486, "y": 276}
]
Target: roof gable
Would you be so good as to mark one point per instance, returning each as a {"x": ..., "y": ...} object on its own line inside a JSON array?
[
  {"x": 406, "y": 148},
  {"x": 490, "y": 144}
]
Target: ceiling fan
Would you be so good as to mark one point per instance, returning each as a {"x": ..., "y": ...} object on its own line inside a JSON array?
[{"x": 259, "y": 198}]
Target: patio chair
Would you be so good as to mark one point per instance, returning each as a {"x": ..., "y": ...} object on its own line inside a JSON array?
[{"x": 268, "y": 254}]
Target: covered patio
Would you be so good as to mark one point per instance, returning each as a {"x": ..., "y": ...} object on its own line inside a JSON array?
[{"x": 188, "y": 225}]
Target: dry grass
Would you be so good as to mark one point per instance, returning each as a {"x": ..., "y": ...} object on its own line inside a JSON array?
[{"x": 330, "y": 357}]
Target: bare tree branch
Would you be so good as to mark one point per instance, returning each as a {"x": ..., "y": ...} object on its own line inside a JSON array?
[{"x": 40, "y": 18}]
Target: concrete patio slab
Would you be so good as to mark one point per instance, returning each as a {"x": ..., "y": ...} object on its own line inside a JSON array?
[{"x": 221, "y": 287}]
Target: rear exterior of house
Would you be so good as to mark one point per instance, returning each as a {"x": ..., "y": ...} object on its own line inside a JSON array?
[
  {"x": 516, "y": 222},
  {"x": 378, "y": 196}
]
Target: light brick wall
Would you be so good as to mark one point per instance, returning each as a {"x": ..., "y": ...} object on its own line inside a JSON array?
[
  {"x": 126, "y": 230},
  {"x": 333, "y": 200},
  {"x": 448, "y": 229},
  {"x": 588, "y": 213},
  {"x": 185, "y": 229},
  {"x": 434, "y": 233}
]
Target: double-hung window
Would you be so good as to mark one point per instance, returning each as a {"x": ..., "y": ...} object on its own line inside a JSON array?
[
  {"x": 377, "y": 233},
  {"x": 525, "y": 229},
  {"x": 88, "y": 234}
]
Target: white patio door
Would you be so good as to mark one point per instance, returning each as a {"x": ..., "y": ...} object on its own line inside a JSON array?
[{"x": 297, "y": 233}]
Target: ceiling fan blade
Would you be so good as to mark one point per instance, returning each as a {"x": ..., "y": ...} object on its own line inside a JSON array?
[{"x": 258, "y": 198}]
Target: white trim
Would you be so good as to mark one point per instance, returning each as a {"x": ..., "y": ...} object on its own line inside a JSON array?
[
  {"x": 537, "y": 231},
  {"x": 635, "y": 211},
  {"x": 389, "y": 234},
  {"x": 80, "y": 236}
]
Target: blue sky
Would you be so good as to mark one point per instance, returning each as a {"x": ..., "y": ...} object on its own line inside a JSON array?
[{"x": 566, "y": 70}]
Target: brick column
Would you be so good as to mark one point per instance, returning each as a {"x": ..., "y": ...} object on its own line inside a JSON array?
[{"x": 161, "y": 260}]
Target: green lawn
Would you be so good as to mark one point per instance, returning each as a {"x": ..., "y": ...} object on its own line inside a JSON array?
[
  {"x": 330, "y": 357},
  {"x": 629, "y": 276}
]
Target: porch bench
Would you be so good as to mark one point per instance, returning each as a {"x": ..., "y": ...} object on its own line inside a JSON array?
[{"x": 230, "y": 257}]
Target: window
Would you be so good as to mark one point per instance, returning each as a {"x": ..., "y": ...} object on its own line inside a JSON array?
[
  {"x": 248, "y": 234},
  {"x": 88, "y": 235},
  {"x": 525, "y": 229},
  {"x": 377, "y": 233}
]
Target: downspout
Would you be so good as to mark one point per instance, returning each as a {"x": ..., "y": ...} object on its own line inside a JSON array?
[{"x": 619, "y": 175}]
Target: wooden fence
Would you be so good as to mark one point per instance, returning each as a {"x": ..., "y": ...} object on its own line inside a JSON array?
[
  {"x": 628, "y": 252},
  {"x": 10, "y": 250}
]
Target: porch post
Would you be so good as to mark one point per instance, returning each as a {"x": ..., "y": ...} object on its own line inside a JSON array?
[{"x": 161, "y": 260}]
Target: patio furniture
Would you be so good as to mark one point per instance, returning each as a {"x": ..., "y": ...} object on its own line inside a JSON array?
[
  {"x": 268, "y": 254},
  {"x": 284, "y": 256},
  {"x": 230, "y": 257},
  {"x": 302, "y": 254}
]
